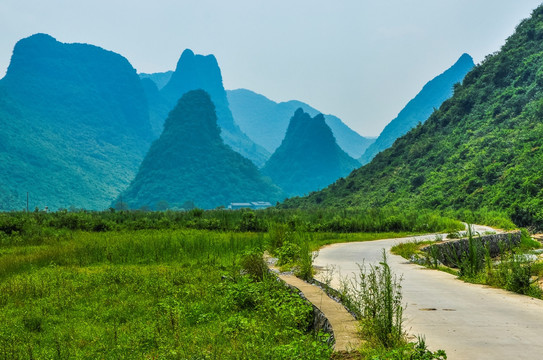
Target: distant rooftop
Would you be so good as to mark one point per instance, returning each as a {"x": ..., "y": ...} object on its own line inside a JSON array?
[{"x": 249, "y": 205}]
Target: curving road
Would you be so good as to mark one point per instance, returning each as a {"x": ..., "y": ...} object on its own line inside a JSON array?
[{"x": 468, "y": 321}]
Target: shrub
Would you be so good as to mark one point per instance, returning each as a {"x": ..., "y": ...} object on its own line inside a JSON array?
[
  {"x": 279, "y": 234},
  {"x": 377, "y": 293},
  {"x": 254, "y": 265},
  {"x": 306, "y": 257}
]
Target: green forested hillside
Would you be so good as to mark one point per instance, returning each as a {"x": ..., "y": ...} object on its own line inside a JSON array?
[
  {"x": 309, "y": 157},
  {"x": 191, "y": 163},
  {"x": 420, "y": 107},
  {"x": 75, "y": 125},
  {"x": 483, "y": 148},
  {"x": 266, "y": 121}
]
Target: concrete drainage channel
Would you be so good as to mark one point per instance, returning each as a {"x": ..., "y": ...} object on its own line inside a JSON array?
[{"x": 329, "y": 316}]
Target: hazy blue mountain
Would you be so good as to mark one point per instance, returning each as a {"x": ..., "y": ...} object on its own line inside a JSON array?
[
  {"x": 202, "y": 72},
  {"x": 160, "y": 79},
  {"x": 266, "y": 121},
  {"x": 190, "y": 163},
  {"x": 309, "y": 158},
  {"x": 74, "y": 122},
  {"x": 432, "y": 95},
  {"x": 158, "y": 106}
]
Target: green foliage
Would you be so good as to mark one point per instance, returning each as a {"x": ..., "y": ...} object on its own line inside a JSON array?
[
  {"x": 408, "y": 249},
  {"x": 376, "y": 293},
  {"x": 306, "y": 257},
  {"x": 155, "y": 284},
  {"x": 385, "y": 219},
  {"x": 296, "y": 253},
  {"x": 281, "y": 223},
  {"x": 512, "y": 272},
  {"x": 250, "y": 222},
  {"x": 526, "y": 241},
  {"x": 278, "y": 234},
  {"x": 253, "y": 264},
  {"x": 483, "y": 216},
  {"x": 408, "y": 351},
  {"x": 472, "y": 261},
  {"x": 482, "y": 149}
]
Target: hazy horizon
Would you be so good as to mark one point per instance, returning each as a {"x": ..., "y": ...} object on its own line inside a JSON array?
[{"x": 361, "y": 61}]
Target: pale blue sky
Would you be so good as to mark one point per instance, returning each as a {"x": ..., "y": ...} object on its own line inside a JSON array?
[{"x": 357, "y": 59}]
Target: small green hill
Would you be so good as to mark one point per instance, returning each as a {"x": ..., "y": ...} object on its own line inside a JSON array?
[
  {"x": 421, "y": 107},
  {"x": 266, "y": 121},
  {"x": 202, "y": 72},
  {"x": 75, "y": 125},
  {"x": 483, "y": 148},
  {"x": 309, "y": 158},
  {"x": 190, "y": 162}
]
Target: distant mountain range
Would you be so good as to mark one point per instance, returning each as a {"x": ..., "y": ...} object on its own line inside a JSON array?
[
  {"x": 190, "y": 163},
  {"x": 75, "y": 125},
  {"x": 77, "y": 121},
  {"x": 482, "y": 149},
  {"x": 309, "y": 158},
  {"x": 266, "y": 121},
  {"x": 432, "y": 95}
]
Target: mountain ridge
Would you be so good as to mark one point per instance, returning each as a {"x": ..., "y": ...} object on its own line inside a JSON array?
[{"x": 418, "y": 109}]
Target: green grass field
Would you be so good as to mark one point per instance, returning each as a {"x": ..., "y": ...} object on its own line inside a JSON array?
[
  {"x": 160, "y": 286},
  {"x": 147, "y": 294}
]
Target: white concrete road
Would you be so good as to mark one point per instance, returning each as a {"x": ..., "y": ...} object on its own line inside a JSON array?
[{"x": 467, "y": 321}]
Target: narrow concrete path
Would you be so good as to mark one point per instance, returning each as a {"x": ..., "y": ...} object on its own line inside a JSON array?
[
  {"x": 343, "y": 324},
  {"x": 345, "y": 327},
  {"x": 467, "y": 321}
]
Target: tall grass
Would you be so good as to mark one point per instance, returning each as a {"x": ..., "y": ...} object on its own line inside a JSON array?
[
  {"x": 377, "y": 297},
  {"x": 165, "y": 294},
  {"x": 331, "y": 220}
]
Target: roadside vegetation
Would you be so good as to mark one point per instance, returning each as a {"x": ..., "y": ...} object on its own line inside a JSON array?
[
  {"x": 516, "y": 268},
  {"x": 374, "y": 296}
]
